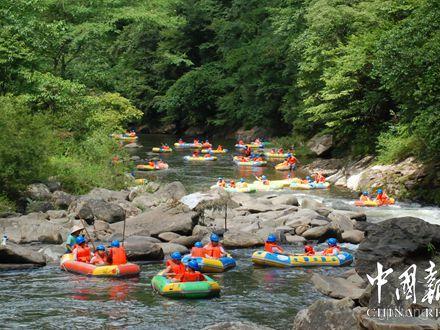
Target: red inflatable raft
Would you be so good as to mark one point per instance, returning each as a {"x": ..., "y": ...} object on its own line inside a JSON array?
[{"x": 126, "y": 270}]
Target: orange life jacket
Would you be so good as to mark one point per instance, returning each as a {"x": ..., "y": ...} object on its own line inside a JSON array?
[
  {"x": 382, "y": 198},
  {"x": 213, "y": 251},
  {"x": 117, "y": 255},
  {"x": 364, "y": 198},
  {"x": 291, "y": 160},
  {"x": 176, "y": 268},
  {"x": 191, "y": 276},
  {"x": 269, "y": 247},
  {"x": 83, "y": 253},
  {"x": 97, "y": 259},
  {"x": 220, "y": 148},
  {"x": 320, "y": 178},
  {"x": 197, "y": 252},
  {"x": 330, "y": 250}
]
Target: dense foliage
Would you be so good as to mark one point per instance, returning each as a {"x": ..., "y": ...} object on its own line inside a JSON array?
[{"x": 71, "y": 72}]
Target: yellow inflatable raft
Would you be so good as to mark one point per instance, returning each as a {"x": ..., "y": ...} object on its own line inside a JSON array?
[
  {"x": 263, "y": 258},
  {"x": 156, "y": 149}
]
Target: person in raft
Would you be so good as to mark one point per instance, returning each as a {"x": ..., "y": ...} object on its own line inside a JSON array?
[
  {"x": 382, "y": 197},
  {"x": 319, "y": 178},
  {"x": 100, "y": 256},
  {"x": 271, "y": 245},
  {"x": 191, "y": 273},
  {"x": 71, "y": 239},
  {"x": 365, "y": 197},
  {"x": 214, "y": 250},
  {"x": 81, "y": 251},
  {"x": 198, "y": 251},
  {"x": 116, "y": 254},
  {"x": 242, "y": 183},
  {"x": 308, "y": 249},
  {"x": 333, "y": 248},
  {"x": 175, "y": 267},
  {"x": 291, "y": 160},
  {"x": 196, "y": 153},
  {"x": 263, "y": 179},
  {"x": 221, "y": 182}
]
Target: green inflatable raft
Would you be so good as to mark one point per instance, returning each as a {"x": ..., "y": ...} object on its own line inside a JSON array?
[{"x": 187, "y": 290}]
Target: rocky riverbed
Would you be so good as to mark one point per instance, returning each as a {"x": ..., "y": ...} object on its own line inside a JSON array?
[{"x": 161, "y": 219}]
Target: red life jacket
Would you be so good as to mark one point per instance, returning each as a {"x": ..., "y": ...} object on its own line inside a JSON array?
[
  {"x": 309, "y": 250},
  {"x": 83, "y": 253},
  {"x": 269, "y": 247},
  {"x": 213, "y": 251},
  {"x": 97, "y": 259},
  {"x": 197, "y": 252},
  {"x": 117, "y": 255},
  {"x": 192, "y": 276},
  {"x": 176, "y": 268}
]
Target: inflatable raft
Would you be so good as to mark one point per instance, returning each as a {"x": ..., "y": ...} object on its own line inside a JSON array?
[
  {"x": 308, "y": 186},
  {"x": 240, "y": 162},
  {"x": 250, "y": 145},
  {"x": 212, "y": 265},
  {"x": 200, "y": 159},
  {"x": 275, "y": 155},
  {"x": 373, "y": 203},
  {"x": 247, "y": 189},
  {"x": 124, "y": 137},
  {"x": 126, "y": 270},
  {"x": 263, "y": 258},
  {"x": 161, "y": 150},
  {"x": 215, "y": 151},
  {"x": 284, "y": 167},
  {"x": 142, "y": 167},
  {"x": 188, "y": 145},
  {"x": 195, "y": 290},
  {"x": 273, "y": 185}
]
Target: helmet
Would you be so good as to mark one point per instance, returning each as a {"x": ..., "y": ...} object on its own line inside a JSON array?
[
  {"x": 271, "y": 238},
  {"x": 379, "y": 191},
  {"x": 100, "y": 248},
  {"x": 115, "y": 243},
  {"x": 193, "y": 265},
  {"x": 332, "y": 241},
  {"x": 289, "y": 155},
  {"x": 198, "y": 244},
  {"x": 176, "y": 255},
  {"x": 365, "y": 193},
  {"x": 214, "y": 238},
  {"x": 308, "y": 178},
  {"x": 264, "y": 177},
  {"x": 242, "y": 180},
  {"x": 219, "y": 179},
  {"x": 80, "y": 240}
]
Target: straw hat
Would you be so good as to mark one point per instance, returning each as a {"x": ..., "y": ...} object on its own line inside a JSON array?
[{"x": 76, "y": 228}]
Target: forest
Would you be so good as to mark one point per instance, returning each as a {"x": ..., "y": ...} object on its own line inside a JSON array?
[{"x": 72, "y": 72}]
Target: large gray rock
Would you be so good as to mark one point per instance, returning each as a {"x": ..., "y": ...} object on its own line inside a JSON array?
[
  {"x": 340, "y": 222},
  {"x": 316, "y": 233},
  {"x": 398, "y": 323},
  {"x": 15, "y": 254},
  {"x": 168, "y": 236},
  {"x": 294, "y": 239},
  {"x": 353, "y": 236},
  {"x": 38, "y": 192},
  {"x": 301, "y": 218},
  {"x": 108, "y": 195},
  {"x": 56, "y": 214},
  {"x": 39, "y": 206},
  {"x": 169, "y": 248},
  {"x": 97, "y": 209},
  {"x": 311, "y": 204},
  {"x": 171, "y": 191},
  {"x": 157, "y": 221},
  {"x": 62, "y": 200},
  {"x": 327, "y": 314},
  {"x": 198, "y": 200},
  {"x": 321, "y": 144},
  {"x": 201, "y": 231},
  {"x": 238, "y": 239},
  {"x": 236, "y": 326},
  {"x": 187, "y": 241},
  {"x": 337, "y": 287},
  {"x": 52, "y": 253},
  {"x": 285, "y": 199},
  {"x": 144, "y": 202},
  {"x": 140, "y": 248},
  {"x": 33, "y": 227}
]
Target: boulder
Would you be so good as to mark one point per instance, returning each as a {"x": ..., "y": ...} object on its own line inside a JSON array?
[
  {"x": 56, "y": 214},
  {"x": 253, "y": 207},
  {"x": 316, "y": 233},
  {"x": 318, "y": 222},
  {"x": 169, "y": 248},
  {"x": 132, "y": 145},
  {"x": 33, "y": 227},
  {"x": 129, "y": 209},
  {"x": 311, "y": 204},
  {"x": 62, "y": 200},
  {"x": 201, "y": 231},
  {"x": 199, "y": 200},
  {"x": 320, "y": 144},
  {"x": 294, "y": 239},
  {"x": 140, "y": 248},
  {"x": 39, "y": 206},
  {"x": 398, "y": 323},
  {"x": 97, "y": 209},
  {"x": 327, "y": 314},
  {"x": 52, "y": 253},
  {"x": 340, "y": 222},
  {"x": 157, "y": 221},
  {"x": 15, "y": 254},
  {"x": 301, "y": 218},
  {"x": 187, "y": 241},
  {"x": 337, "y": 287},
  {"x": 108, "y": 195},
  {"x": 53, "y": 185},
  {"x": 236, "y": 326},
  {"x": 301, "y": 229},
  {"x": 144, "y": 202},
  {"x": 100, "y": 225},
  {"x": 168, "y": 236},
  {"x": 171, "y": 191},
  {"x": 238, "y": 239},
  {"x": 38, "y": 192},
  {"x": 285, "y": 200},
  {"x": 353, "y": 236}
]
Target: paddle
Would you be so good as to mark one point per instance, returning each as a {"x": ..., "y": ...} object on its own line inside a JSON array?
[
  {"x": 123, "y": 232},
  {"x": 87, "y": 234}
]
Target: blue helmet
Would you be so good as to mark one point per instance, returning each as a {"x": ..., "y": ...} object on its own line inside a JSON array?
[
  {"x": 332, "y": 242},
  {"x": 289, "y": 155},
  {"x": 80, "y": 240},
  {"x": 242, "y": 180},
  {"x": 100, "y": 248},
  {"x": 193, "y": 265},
  {"x": 198, "y": 245},
  {"x": 176, "y": 255},
  {"x": 379, "y": 191},
  {"x": 365, "y": 193},
  {"x": 308, "y": 178},
  {"x": 115, "y": 243},
  {"x": 264, "y": 177},
  {"x": 214, "y": 238},
  {"x": 271, "y": 238}
]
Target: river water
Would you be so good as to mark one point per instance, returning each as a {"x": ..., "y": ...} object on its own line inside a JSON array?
[{"x": 51, "y": 299}]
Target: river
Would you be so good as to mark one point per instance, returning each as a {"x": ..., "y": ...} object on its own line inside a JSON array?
[{"x": 51, "y": 299}]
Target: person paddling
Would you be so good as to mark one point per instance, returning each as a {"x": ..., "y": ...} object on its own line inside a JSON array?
[
  {"x": 71, "y": 239},
  {"x": 214, "y": 249},
  {"x": 116, "y": 254},
  {"x": 191, "y": 273},
  {"x": 175, "y": 267},
  {"x": 198, "y": 251},
  {"x": 271, "y": 246},
  {"x": 100, "y": 256},
  {"x": 365, "y": 197},
  {"x": 382, "y": 197}
]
